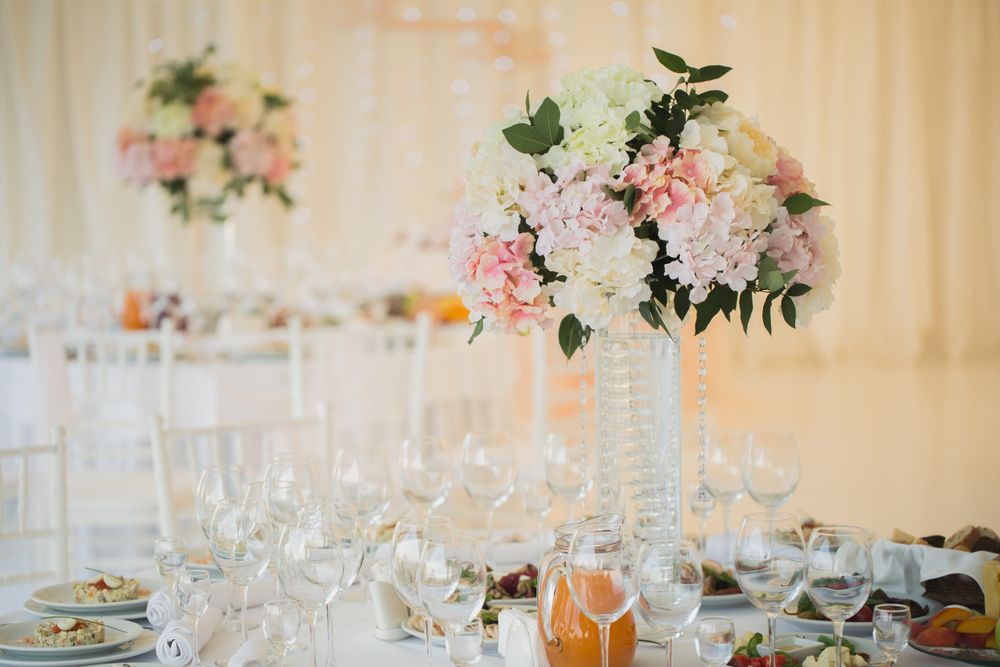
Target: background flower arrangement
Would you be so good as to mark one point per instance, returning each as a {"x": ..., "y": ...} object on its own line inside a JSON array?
[
  {"x": 615, "y": 196},
  {"x": 205, "y": 133}
]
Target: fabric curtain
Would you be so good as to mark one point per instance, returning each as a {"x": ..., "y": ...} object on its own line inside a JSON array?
[{"x": 890, "y": 104}]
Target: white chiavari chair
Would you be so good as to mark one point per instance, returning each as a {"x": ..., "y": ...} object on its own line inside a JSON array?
[
  {"x": 33, "y": 514},
  {"x": 180, "y": 454}
]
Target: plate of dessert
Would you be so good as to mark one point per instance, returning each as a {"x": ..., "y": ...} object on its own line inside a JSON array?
[
  {"x": 65, "y": 636},
  {"x": 805, "y": 615},
  {"x": 720, "y": 588},
  {"x": 959, "y": 633},
  {"x": 102, "y": 593}
]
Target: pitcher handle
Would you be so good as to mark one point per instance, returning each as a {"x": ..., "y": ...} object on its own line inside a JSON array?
[{"x": 546, "y": 600}]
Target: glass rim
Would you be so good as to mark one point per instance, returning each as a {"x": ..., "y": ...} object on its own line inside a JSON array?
[
  {"x": 772, "y": 517},
  {"x": 196, "y": 574},
  {"x": 891, "y": 606},
  {"x": 727, "y": 619},
  {"x": 845, "y": 529}
]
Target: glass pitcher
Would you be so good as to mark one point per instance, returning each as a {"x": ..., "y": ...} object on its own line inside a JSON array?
[{"x": 568, "y": 636}]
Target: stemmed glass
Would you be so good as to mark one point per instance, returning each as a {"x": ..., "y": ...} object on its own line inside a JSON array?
[
  {"x": 838, "y": 574},
  {"x": 194, "y": 589},
  {"x": 488, "y": 474},
  {"x": 602, "y": 579},
  {"x": 701, "y": 502},
  {"x": 536, "y": 499},
  {"x": 770, "y": 559},
  {"x": 305, "y": 471},
  {"x": 724, "y": 478},
  {"x": 714, "y": 640},
  {"x": 352, "y": 549},
  {"x": 216, "y": 484},
  {"x": 567, "y": 471},
  {"x": 771, "y": 468},
  {"x": 451, "y": 581},
  {"x": 891, "y": 629},
  {"x": 670, "y": 587},
  {"x": 171, "y": 559},
  {"x": 281, "y": 623},
  {"x": 424, "y": 472},
  {"x": 240, "y": 540},
  {"x": 408, "y": 540}
]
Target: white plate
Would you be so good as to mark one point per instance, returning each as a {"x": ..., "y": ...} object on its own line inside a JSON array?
[
  {"x": 117, "y": 631},
  {"x": 60, "y": 597},
  {"x": 860, "y": 646},
  {"x": 36, "y": 609},
  {"x": 854, "y": 629},
  {"x": 411, "y": 628},
  {"x": 712, "y": 601},
  {"x": 513, "y": 602},
  {"x": 144, "y": 643}
]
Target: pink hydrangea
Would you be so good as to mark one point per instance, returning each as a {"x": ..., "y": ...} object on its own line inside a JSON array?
[
  {"x": 667, "y": 179},
  {"x": 281, "y": 165},
  {"x": 796, "y": 243},
  {"x": 174, "y": 158},
  {"x": 788, "y": 177},
  {"x": 574, "y": 210},
  {"x": 135, "y": 157},
  {"x": 252, "y": 153},
  {"x": 213, "y": 112}
]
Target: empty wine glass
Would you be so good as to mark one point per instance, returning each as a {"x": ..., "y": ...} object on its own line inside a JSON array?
[
  {"x": 488, "y": 474},
  {"x": 714, "y": 640},
  {"x": 281, "y": 621},
  {"x": 891, "y": 629},
  {"x": 701, "y": 502},
  {"x": 536, "y": 499},
  {"x": 451, "y": 581},
  {"x": 670, "y": 587},
  {"x": 464, "y": 642},
  {"x": 724, "y": 478},
  {"x": 171, "y": 559},
  {"x": 838, "y": 574},
  {"x": 600, "y": 570},
  {"x": 770, "y": 559},
  {"x": 194, "y": 589},
  {"x": 424, "y": 472},
  {"x": 771, "y": 468},
  {"x": 352, "y": 549},
  {"x": 408, "y": 540},
  {"x": 240, "y": 540},
  {"x": 305, "y": 471},
  {"x": 567, "y": 471}
]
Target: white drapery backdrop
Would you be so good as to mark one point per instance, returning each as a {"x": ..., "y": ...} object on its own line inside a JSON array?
[{"x": 890, "y": 104}]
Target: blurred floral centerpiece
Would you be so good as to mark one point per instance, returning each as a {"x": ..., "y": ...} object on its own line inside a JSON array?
[
  {"x": 206, "y": 132},
  {"x": 615, "y": 197}
]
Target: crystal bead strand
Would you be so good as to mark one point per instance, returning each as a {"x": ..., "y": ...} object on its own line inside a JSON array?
[{"x": 701, "y": 501}]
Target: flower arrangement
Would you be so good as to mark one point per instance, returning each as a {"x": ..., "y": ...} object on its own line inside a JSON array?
[
  {"x": 615, "y": 196},
  {"x": 205, "y": 133}
]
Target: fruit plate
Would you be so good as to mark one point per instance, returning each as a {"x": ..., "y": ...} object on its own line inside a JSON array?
[
  {"x": 710, "y": 601},
  {"x": 855, "y": 628},
  {"x": 15, "y": 640},
  {"x": 144, "y": 643},
  {"x": 35, "y": 609},
  {"x": 414, "y": 626},
  {"x": 973, "y": 656},
  {"x": 60, "y": 597}
]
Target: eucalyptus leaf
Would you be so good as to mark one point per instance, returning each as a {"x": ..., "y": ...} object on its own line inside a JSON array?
[
  {"x": 476, "y": 330},
  {"x": 788, "y": 311},
  {"x": 672, "y": 62}
]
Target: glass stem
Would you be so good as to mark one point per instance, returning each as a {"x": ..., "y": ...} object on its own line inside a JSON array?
[
  {"x": 772, "y": 636},
  {"x": 669, "y": 646},
  {"x": 311, "y": 617},
  {"x": 605, "y": 632},
  {"x": 489, "y": 538},
  {"x": 725, "y": 531},
  {"x": 331, "y": 659},
  {"x": 197, "y": 657},
  {"x": 701, "y": 535},
  {"x": 428, "y": 628},
  {"x": 838, "y": 639},
  {"x": 243, "y": 590}
]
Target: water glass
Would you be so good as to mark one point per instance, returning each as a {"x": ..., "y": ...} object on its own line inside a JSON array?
[
  {"x": 536, "y": 499},
  {"x": 240, "y": 540},
  {"x": 715, "y": 640},
  {"x": 451, "y": 581},
  {"x": 171, "y": 558},
  {"x": 464, "y": 642},
  {"x": 770, "y": 468},
  {"x": 670, "y": 587},
  {"x": 305, "y": 471},
  {"x": 838, "y": 574},
  {"x": 891, "y": 629},
  {"x": 194, "y": 589},
  {"x": 724, "y": 478},
  {"x": 770, "y": 561},
  {"x": 567, "y": 471},
  {"x": 488, "y": 474},
  {"x": 281, "y": 623},
  {"x": 424, "y": 472}
]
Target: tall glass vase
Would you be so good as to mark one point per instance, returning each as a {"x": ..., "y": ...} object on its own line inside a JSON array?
[{"x": 638, "y": 425}]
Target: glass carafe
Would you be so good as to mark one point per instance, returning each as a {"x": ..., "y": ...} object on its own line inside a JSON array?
[{"x": 568, "y": 636}]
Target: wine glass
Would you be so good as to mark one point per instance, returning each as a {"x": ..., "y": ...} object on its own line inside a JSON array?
[
  {"x": 714, "y": 640},
  {"x": 838, "y": 574},
  {"x": 194, "y": 589},
  {"x": 670, "y": 584},
  {"x": 771, "y": 468},
  {"x": 404, "y": 562},
  {"x": 351, "y": 544},
  {"x": 488, "y": 474},
  {"x": 536, "y": 499},
  {"x": 770, "y": 559},
  {"x": 300, "y": 469},
  {"x": 567, "y": 471},
  {"x": 451, "y": 581},
  {"x": 218, "y": 483},
  {"x": 891, "y": 629},
  {"x": 281, "y": 623},
  {"x": 240, "y": 540},
  {"x": 724, "y": 478},
  {"x": 701, "y": 502},
  {"x": 424, "y": 472},
  {"x": 464, "y": 642},
  {"x": 171, "y": 559},
  {"x": 602, "y": 580}
]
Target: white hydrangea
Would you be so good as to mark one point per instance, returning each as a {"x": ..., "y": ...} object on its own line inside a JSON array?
[
  {"x": 210, "y": 175},
  {"x": 820, "y": 296},
  {"x": 495, "y": 177},
  {"x": 606, "y": 282},
  {"x": 172, "y": 120},
  {"x": 593, "y": 105}
]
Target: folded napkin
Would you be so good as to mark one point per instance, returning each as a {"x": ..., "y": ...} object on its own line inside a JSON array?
[
  {"x": 902, "y": 568},
  {"x": 176, "y": 644},
  {"x": 159, "y": 613},
  {"x": 518, "y": 639},
  {"x": 159, "y": 610},
  {"x": 253, "y": 653}
]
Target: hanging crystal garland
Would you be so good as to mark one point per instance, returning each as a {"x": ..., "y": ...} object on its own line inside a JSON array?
[{"x": 701, "y": 501}]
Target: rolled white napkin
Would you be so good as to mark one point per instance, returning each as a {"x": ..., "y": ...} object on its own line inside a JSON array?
[
  {"x": 176, "y": 644},
  {"x": 158, "y": 609},
  {"x": 253, "y": 653},
  {"x": 902, "y": 568},
  {"x": 518, "y": 639}
]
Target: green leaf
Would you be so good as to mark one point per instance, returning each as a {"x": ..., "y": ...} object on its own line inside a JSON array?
[
  {"x": 710, "y": 96},
  {"x": 572, "y": 335},
  {"x": 788, "y": 311},
  {"x": 632, "y": 121},
  {"x": 746, "y": 308},
  {"x": 546, "y": 121},
  {"x": 727, "y": 300},
  {"x": 798, "y": 289},
  {"x": 526, "y": 139},
  {"x": 646, "y": 310},
  {"x": 706, "y": 73},
  {"x": 706, "y": 310},
  {"x": 788, "y": 275},
  {"x": 682, "y": 303},
  {"x": 672, "y": 62},
  {"x": 801, "y": 202},
  {"x": 527, "y": 103},
  {"x": 772, "y": 281},
  {"x": 766, "y": 314},
  {"x": 631, "y": 197},
  {"x": 476, "y": 330}
]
